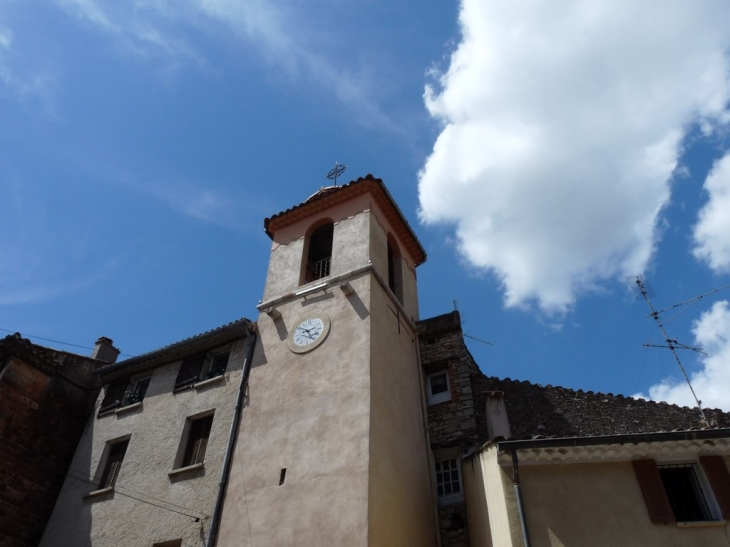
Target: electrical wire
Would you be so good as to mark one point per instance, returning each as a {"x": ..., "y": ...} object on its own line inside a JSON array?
[
  {"x": 58, "y": 341},
  {"x": 82, "y": 476}
]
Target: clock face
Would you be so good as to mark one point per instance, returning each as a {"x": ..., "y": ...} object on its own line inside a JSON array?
[{"x": 309, "y": 333}]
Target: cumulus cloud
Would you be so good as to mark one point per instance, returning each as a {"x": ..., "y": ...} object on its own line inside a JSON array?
[
  {"x": 562, "y": 126},
  {"x": 712, "y": 232},
  {"x": 712, "y": 382}
]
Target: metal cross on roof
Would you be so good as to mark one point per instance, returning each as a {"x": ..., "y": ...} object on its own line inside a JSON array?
[{"x": 336, "y": 171}]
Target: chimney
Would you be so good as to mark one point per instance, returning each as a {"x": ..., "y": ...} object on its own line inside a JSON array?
[
  {"x": 497, "y": 423},
  {"x": 104, "y": 350}
]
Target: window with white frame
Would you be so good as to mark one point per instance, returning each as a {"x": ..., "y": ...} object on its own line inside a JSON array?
[
  {"x": 448, "y": 478},
  {"x": 685, "y": 491},
  {"x": 438, "y": 388},
  {"x": 690, "y": 499}
]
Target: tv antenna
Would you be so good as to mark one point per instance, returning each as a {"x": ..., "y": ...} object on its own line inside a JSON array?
[
  {"x": 672, "y": 343},
  {"x": 336, "y": 171}
]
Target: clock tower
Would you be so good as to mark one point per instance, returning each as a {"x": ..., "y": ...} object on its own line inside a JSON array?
[{"x": 333, "y": 448}]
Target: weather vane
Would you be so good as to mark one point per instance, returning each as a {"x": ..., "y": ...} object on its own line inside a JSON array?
[{"x": 336, "y": 171}]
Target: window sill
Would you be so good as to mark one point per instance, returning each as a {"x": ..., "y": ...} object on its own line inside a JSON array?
[
  {"x": 701, "y": 523},
  {"x": 450, "y": 499},
  {"x": 182, "y": 470},
  {"x": 128, "y": 408},
  {"x": 209, "y": 381},
  {"x": 101, "y": 492}
]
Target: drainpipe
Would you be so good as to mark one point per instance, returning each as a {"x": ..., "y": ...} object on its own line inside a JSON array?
[
  {"x": 215, "y": 519},
  {"x": 518, "y": 493}
]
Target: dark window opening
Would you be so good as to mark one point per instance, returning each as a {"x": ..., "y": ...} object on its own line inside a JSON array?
[
  {"x": 138, "y": 391},
  {"x": 197, "y": 441},
  {"x": 395, "y": 276},
  {"x": 189, "y": 373},
  {"x": 113, "y": 464},
  {"x": 319, "y": 256},
  {"x": 113, "y": 397},
  {"x": 439, "y": 384},
  {"x": 218, "y": 365},
  {"x": 685, "y": 493},
  {"x": 391, "y": 269}
]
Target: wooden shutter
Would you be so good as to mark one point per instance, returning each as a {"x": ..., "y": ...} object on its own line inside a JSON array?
[
  {"x": 189, "y": 371},
  {"x": 114, "y": 395},
  {"x": 113, "y": 464},
  {"x": 719, "y": 478},
  {"x": 652, "y": 488},
  {"x": 197, "y": 441}
]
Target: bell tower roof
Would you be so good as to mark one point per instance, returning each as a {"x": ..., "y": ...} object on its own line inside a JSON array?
[{"x": 332, "y": 195}]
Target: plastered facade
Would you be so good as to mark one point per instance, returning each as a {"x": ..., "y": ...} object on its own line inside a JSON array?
[
  {"x": 345, "y": 420},
  {"x": 147, "y": 505}
]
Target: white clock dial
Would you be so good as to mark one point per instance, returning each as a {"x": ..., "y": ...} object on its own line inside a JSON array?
[{"x": 309, "y": 333}]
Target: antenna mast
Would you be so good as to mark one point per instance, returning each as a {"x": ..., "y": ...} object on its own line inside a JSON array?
[{"x": 672, "y": 344}]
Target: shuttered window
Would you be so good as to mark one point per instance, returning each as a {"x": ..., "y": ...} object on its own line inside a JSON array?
[
  {"x": 114, "y": 396},
  {"x": 197, "y": 441},
  {"x": 678, "y": 493},
  {"x": 189, "y": 371},
  {"x": 113, "y": 464},
  {"x": 652, "y": 488}
]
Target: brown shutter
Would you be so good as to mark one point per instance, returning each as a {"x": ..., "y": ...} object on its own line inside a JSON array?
[
  {"x": 655, "y": 496},
  {"x": 114, "y": 395},
  {"x": 719, "y": 478},
  {"x": 189, "y": 371}
]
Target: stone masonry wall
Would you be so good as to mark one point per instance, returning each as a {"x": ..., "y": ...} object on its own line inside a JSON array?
[
  {"x": 42, "y": 416},
  {"x": 456, "y": 422}
]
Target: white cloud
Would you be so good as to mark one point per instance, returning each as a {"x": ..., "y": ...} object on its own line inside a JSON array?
[
  {"x": 281, "y": 32},
  {"x": 712, "y": 383},
  {"x": 562, "y": 125},
  {"x": 712, "y": 232}
]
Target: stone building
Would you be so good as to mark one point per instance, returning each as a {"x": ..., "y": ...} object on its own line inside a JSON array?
[
  {"x": 341, "y": 418},
  {"x": 45, "y": 397}
]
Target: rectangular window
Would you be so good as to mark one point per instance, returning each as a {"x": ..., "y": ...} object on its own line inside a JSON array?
[
  {"x": 218, "y": 365},
  {"x": 113, "y": 464},
  {"x": 448, "y": 482},
  {"x": 437, "y": 386},
  {"x": 113, "y": 396},
  {"x": 201, "y": 367},
  {"x": 197, "y": 441},
  {"x": 137, "y": 391},
  {"x": 685, "y": 492},
  {"x": 686, "y": 496}
]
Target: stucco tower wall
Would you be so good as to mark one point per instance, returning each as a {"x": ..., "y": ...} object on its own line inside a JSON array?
[
  {"x": 401, "y": 502},
  {"x": 309, "y": 414}
]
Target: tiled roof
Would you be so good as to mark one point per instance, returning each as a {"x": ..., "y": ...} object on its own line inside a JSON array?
[
  {"x": 331, "y": 195},
  {"x": 187, "y": 346},
  {"x": 45, "y": 359},
  {"x": 536, "y": 411}
]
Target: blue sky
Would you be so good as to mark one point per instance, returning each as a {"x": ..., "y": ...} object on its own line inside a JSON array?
[{"x": 543, "y": 155}]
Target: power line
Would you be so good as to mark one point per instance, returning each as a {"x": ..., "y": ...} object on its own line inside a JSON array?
[
  {"x": 86, "y": 478},
  {"x": 58, "y": 341}
]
